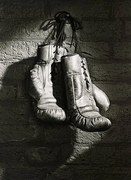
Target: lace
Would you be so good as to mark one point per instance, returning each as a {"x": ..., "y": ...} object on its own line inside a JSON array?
[
  {"x": 58, "y": 28},
  {"x": 57, "y": 32},
  {"x": 85, "y": 72}
]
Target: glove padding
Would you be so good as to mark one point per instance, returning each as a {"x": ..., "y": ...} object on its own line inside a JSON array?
[{"x": 100, "y": 97}]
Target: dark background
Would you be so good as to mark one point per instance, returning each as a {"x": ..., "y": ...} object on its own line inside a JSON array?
[{"x": 30, "y": 150}]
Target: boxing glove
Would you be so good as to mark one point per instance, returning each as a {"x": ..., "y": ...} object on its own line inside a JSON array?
[
  {"x": 46, "y": 84},
  {"x": 82, "y": 109}
]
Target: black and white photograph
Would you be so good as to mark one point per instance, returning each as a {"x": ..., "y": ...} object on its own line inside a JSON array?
[{"x": 65, "y": 89}]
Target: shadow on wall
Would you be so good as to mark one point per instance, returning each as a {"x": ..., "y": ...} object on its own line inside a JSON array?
[
  {"x": 33, "y": 150},
  {"x": 29, "y": 148}
]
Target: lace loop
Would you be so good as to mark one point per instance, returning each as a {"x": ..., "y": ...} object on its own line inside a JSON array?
[{"x": 58, "y": 28}]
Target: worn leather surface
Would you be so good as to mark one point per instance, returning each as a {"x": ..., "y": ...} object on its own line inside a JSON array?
[
  {"x": 100, "y": 97},
  {"x": 46, "y": 84},
  {"x": 82, "y": 108}
]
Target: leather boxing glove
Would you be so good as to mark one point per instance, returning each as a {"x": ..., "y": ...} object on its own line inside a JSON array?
[
  {"x": 46, "y": 86},
  {"x": 82, "y": 109}
]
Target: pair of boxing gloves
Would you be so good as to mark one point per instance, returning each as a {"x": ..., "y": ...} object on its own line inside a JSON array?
[{"x": 62, "y": 91}]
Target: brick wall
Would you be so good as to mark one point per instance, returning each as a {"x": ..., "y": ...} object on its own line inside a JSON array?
[{"x": 30, "y": 151}]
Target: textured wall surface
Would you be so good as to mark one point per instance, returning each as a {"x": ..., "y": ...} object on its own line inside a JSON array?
[{"x": 31, "y": 151}]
